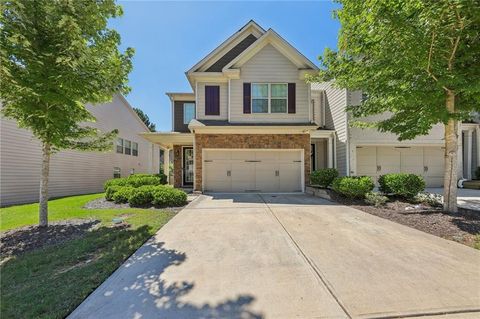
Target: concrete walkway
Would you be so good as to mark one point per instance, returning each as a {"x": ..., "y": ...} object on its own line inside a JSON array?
[
  {"x": 289, "y": 256},
  {"x": 466, "y": 198}
]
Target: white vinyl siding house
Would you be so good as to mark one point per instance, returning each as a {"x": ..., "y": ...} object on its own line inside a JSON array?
[
  {"x": 73, "y": 172},
  {"x": 269, "y": 66}
]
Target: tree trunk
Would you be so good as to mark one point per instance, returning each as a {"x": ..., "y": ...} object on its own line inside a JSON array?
[
  {"x": 451, "y": 158},
  {"x": 43, "y": 207}
]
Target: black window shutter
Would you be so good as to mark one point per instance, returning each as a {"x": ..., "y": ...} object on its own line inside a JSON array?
[
  {"x": 212, "y": 100},
  {"x": 291, "y": 98},
  {"x": 247, "y": 108}
]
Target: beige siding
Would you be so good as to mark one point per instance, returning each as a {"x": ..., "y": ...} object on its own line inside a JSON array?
[
  {"x": 336, "y": 119},
  {"x": 269, "y": 65},
  {"x": 201, "y": 102},
  {"x": 71, "y": 172}
]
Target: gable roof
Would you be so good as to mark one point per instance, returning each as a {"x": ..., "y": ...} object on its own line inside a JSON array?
[
  {"x": 251, "y": 28},
  {"x": 273, "y": 38},
  {"x": 232, "y": 54}
]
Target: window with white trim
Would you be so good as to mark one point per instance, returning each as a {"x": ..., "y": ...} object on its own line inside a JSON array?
[
  {"x": 134, "y": 149},
  {"x": 120, "y": 145},
  {"x": 128, "y": 147},
  {"x": 269, "y": 97},
  {"x": 188, "y": 112},
  {"x": 117, "y": 172}
]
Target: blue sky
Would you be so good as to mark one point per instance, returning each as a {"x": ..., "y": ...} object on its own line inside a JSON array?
[{"x": 169, "y": 37}]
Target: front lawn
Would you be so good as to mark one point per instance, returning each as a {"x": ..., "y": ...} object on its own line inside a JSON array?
[{"x": 50, "y": 282}]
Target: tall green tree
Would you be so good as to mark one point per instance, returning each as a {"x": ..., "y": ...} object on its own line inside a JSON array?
[
  {"x": 56, "y": 56},
  {"x": 145, "y": 119},
  {"x": 417, "y": 60}
]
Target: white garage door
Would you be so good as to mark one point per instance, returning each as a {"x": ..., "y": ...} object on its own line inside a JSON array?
[
  {"x": 252, "y": 171},
  {"x": 425, "y": 161}
]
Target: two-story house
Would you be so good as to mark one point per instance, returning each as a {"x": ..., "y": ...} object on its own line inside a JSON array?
[{"x": 252, "y": 124}]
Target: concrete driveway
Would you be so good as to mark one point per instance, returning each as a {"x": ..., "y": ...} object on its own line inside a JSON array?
[{"x": 289, "y": 256}]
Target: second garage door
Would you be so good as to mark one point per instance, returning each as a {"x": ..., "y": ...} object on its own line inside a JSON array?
[
  {"x": 252, "y": 171},
  {"x": 425, "y": 161}
]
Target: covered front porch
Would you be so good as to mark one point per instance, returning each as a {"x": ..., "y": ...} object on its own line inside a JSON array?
[
  {"x": 178, "y": 159},
  {"x": 322, "y": 149}
]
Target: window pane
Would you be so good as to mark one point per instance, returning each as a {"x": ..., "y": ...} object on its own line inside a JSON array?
[
  {"x": 260, "y": 105},
  {"x": 259, "y": 90},
  {"x": 279, "y": 90},
  {"x": 116, "y": 172},
  {"x": 188, "y": 112},
  {"x": 279, "y": 105},
  {"x": 134, "y": 149},
  {"x": 127, "y": 147},
  {"x": 120, "y": 145}
]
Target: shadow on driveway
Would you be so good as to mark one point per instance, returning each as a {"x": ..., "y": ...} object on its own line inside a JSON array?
[{"x": 136, "y": 290}]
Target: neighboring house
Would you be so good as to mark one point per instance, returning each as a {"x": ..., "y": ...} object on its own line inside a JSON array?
[
  {"x": 74, "y": 172},
  {"x": 252, "y": 124}
]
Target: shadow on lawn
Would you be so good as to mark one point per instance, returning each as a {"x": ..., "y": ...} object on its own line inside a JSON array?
[
  {"x": 136, "y": 290},
  {"x": 18, "y": 241}
]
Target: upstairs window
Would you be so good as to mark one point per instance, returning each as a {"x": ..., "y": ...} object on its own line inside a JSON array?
[
  {"x": 120, "y": 145},
  {"x": 128, "y": 147},
  {"x": 134, "y": 149},
  {"x": 269, "y": 97},
  {"x": 188, "y": 112}
]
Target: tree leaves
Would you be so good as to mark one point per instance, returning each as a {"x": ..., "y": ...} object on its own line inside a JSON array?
[
  {"x": 405, "y": 54},
  {"x": 56, "y": 56}
]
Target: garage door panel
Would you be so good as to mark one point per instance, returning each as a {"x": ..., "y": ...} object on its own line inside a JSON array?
[
  {"x": 411, "y": 160},
  {"x": 427, "y": 161},
  {"x": 252, "y": 170},
  {"x": 367, "y": 161},
  {"x": 265, "y": 178},
  {"x": 290, "y": 177}
]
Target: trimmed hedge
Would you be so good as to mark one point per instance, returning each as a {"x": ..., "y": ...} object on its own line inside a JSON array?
[
  {"x": 142, "y": 195},
  {"x": 401, "y": 184},
  {"x": 353, "y": 186},
  {"x": 110, "y": 191},
  {"x": 157, "y": 195},
  {"x": 169, "y": 196},
  {"x": 122, "y": 195},
  {"x": 136, "y": 180},
  {"x": 323, "y": 177}
]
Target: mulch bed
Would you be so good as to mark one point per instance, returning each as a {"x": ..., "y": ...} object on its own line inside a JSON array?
[
  {"x": 461, "y": 227},
  {"x": 20, "y": 240},
  {"x": 102, "y": 203}
]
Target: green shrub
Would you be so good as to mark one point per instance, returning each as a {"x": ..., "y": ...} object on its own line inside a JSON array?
[
  {"x": 353, "y": 186},
  {"x": 169, "y": 196},
  {"x": 375, "y": 199},
  {"x": 115, "y": 182},
  {"x": 111, "y": 190},
  {"x": 142, "y": 179},
  {"x": 135, "y": 180},
  {"x": 142, "y": 195},
  {"x": 122, "y": 194},
  {"x": 477, "y": 173},
  {"x": 323, "y": 177},
  {"x": 401, "y": 184}
]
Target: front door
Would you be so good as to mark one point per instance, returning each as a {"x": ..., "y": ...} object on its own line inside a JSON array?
[{"x": 187, "y": 166}]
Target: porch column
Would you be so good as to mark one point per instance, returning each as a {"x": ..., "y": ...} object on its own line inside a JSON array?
[
  {"x": 330, "y": 152},
  {"x": 469, "y": 147},
  {"x": 166, "y": 163}
]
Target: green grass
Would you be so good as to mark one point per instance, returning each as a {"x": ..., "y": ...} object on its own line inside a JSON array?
[{"x": 51, "y": 282}]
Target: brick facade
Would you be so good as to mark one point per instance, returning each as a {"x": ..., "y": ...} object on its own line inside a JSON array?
[
  {"x": 246, "y": 141},
  {"x": 177, "y": 166}
]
